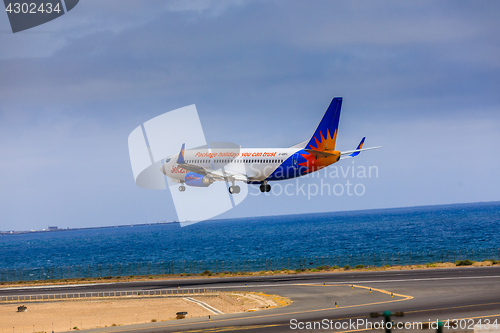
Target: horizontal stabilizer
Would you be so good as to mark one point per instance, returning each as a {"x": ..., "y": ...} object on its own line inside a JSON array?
[
  {"x": 320, "y": 153},
  {"x": 355, "y": 152}
]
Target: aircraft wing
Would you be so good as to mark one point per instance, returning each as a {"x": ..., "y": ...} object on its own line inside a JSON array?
[
  {"x": 226, "y": 175},
  {"x": 220, "y": 175}
]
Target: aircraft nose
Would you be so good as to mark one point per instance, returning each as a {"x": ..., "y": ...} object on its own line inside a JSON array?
[{"x": 163, "y": 169}]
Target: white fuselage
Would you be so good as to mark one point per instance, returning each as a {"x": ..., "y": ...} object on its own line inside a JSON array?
[{"x": 256, "y": 163}]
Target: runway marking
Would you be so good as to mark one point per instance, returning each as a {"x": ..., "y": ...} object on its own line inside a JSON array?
[
  {"x": 453, "y": 307},
  {"x": 426, "y": 279},
  {"x": 231, "y": 328},
  {"x": 261, "y": 285},
  {"x": 425, "y": 322},
  {"x": 405, "y": 297},
  {"x": 204, "y": 305},
  {"x": 357, "y": 286},
  {"x": 363, "y": 329},
  {"x": 240, "y": 328},
  {"x": 342, "y": 282}
]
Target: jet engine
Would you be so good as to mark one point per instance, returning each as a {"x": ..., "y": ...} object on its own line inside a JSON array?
[{"x": 195, "y": 179}]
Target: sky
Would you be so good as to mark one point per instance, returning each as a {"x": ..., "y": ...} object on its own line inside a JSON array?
[{"x": 420, "y": 78}]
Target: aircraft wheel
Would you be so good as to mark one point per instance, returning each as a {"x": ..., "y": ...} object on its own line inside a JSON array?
[
  {"x": 268, "y": 188},
  {"x": 182, "y": 188},
  {"x": 232, "y": 189},
  {"x": 262, "y": 188},
  {"x": 236, "y": 189}
]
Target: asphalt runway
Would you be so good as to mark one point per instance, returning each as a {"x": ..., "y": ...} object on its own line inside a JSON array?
[{"x": 466, "y": 294}]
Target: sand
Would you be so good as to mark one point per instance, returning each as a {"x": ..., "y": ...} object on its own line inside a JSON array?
[{"x": 93, "y": 313}]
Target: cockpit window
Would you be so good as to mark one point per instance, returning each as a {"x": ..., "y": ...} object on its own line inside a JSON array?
[{"x": 168, "y": 160}]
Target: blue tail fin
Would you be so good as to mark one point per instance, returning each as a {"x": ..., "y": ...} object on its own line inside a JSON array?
[{"x": 325, "y": 136}]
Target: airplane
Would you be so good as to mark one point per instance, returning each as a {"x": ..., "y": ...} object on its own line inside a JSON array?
[{"x": 202, "y": 166}]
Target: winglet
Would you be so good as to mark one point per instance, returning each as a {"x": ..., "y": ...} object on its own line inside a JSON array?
[
  {"x": 180, "y": 159},
  {"x": 360, "y": 146}
]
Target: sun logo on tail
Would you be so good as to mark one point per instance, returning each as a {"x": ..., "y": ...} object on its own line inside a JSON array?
[
  {"x": 323, "y": 143},
  {"x": 314, "y": 163}
]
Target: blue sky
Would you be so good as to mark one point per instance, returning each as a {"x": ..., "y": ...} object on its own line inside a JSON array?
[{"x": 421, "y": 78}]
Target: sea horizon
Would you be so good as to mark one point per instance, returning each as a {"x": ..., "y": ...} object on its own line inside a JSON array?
[{"x": 14, "y": 232}]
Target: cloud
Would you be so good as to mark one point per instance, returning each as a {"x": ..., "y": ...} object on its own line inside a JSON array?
[
  {"x": 94, "y": 16},
  {"x": 419, "y": 78}
]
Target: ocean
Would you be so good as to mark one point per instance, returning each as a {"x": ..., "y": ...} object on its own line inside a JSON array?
[{"x": 415, "y": 229}]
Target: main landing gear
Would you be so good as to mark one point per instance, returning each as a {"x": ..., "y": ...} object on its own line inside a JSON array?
[
  {"x": 265, "y": 187},
  {"x": 234, "y": 189},
  {"x": 182, "y": 188}
]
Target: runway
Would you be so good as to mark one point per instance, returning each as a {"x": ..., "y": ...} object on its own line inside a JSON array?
[{"x": 423, "y": 295}]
